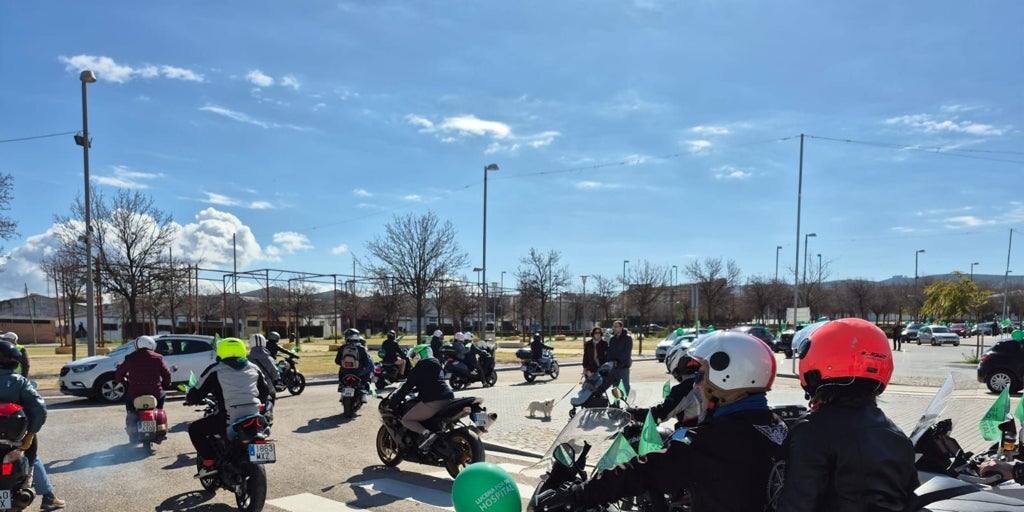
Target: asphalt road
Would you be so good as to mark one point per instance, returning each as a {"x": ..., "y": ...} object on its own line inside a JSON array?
[{"x": 326, "y": 463}]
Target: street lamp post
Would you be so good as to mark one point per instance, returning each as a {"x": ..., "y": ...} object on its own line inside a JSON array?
[
  {"x": 501, "y": 292},
  {"x": 584, "y": 278},
  {"x": 483, "y": 279},
  {"x": 1006, "y": 276},
  {"x": 88, "y": 77},
  {"x": 972, "y": 270},
  {"x": 916, "y": 254},
  {"x": 672, "y": 297},
  {"x": 625, "y": 288},
  {"x": 819, "y": 268},
  {"x": 478, "y": 270},
  {"x": 777, "y": 249},
  {"x": 808, "y": 235}
]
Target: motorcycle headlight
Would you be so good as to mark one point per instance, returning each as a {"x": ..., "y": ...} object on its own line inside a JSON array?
[{"x": 83, "y": 368}]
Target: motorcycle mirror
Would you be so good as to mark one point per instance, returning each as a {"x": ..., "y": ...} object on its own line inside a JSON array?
[
  {"x": 565, "y": 454},
  {"x": 174, "y": 367}
]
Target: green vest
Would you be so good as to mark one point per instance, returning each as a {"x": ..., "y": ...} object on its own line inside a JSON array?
[{"x": 21, "y": 349}]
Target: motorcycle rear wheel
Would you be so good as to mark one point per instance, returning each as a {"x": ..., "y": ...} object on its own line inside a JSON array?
[
  {"x": 469, "y": 449},
  {"x": 251, "y": 496},
  {"x": 456, "y": 383},
  {"x": 492, "y": 379},
  {"x": 387, "y": 448},
  {"x": 348, "y": 408},
  {"x": 209, "y": 483},
  {"x": 297, "y": 384},
  {"x": 529, "y": 376}
]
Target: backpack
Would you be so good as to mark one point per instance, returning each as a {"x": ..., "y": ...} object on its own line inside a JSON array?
[{"x": 350, "y": 356}]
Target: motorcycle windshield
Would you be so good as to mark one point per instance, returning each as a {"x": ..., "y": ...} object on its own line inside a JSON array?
[
  {"x": 934, "y": 410},
  {"x": 598, "y": 427}
]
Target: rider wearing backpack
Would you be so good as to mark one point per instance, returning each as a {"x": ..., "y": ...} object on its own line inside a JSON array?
[{"x": 353, "y": 359}]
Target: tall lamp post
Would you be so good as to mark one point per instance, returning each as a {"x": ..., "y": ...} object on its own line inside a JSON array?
[
  {"x": 478, "y": 270},
  {"x": 777, "y": 249},
  {"x": 87, "y": 77},
  {"x": 672, "y": 297},
  {"x": 916, "y": 254},
  {"x": 483, "y": 279},
  {"x": 972, "y": 270},
  {"x": 584, "y": 278},
  {"x": 625, "y": 288},
  {"x": 819, "y": 268},
  {"x": 501, "y": 292},
  {"x": 1006, "y": 276},
  {"x": 808, "y": 235}
]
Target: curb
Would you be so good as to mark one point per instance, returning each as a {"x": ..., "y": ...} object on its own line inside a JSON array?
[{"x": 500, "y": 448}]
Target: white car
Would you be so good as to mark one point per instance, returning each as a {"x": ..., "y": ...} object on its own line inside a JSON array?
[
  {"x": 184, "y": 355},
  {"x": 937, "y": 335}
]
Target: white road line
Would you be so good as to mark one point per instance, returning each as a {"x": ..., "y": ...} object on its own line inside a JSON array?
[
  {"x": 411, "y": 492},
  {"x": 305, "y": 502}
]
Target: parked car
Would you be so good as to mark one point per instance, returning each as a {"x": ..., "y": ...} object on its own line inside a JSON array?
[
  {"x": 937, "y": 335},
  {"x": 785, "y": 342},
  {"x": 686, "y": 342},
  {"x": 184, "y": 355},
  {"x": 1002, "y": 366},
  {"x": 960, "y": 329},
  {"x": 665, "y": 348},
  {"x": 760, "y": 332},
  {"x": 910, "y": 332},
  {"x": 984, "y": 328}
]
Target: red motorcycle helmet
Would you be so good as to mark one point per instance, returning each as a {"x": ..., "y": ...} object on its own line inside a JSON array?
[{"x": 842, "y": 351}]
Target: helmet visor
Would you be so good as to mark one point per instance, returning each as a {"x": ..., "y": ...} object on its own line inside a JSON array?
[{"x": 802, "y": 339}]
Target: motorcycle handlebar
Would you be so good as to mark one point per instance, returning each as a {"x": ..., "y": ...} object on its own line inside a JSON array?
[{"x": 982, "y": 480}]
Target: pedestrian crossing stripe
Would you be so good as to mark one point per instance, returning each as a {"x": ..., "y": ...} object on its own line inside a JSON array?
[{"x": 306, "y": 501}]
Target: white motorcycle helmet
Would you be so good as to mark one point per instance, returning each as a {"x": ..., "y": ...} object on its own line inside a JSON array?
[
  {"x": 145, "y": 342},
  {"x": 257, "y": 340},
  {"x": 733, "y": 365},
  {"x": 460, "y": 337}
]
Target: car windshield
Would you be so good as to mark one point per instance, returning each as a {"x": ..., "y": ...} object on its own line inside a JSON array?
[
  {"x": 939, "y": 328},
  {"x": 915, "y": 326},
  {"x": 123, "y": 350}
]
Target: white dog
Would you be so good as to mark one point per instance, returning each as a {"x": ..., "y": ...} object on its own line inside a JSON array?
[{"x": 544, "y": 407}]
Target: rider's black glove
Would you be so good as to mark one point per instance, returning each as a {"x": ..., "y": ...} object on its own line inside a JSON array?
[{"x": 564, "y": 498}]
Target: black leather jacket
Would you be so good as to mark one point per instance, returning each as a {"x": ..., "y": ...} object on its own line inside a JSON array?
[
  {"x": 392, "y": 351},
  {"x": 727, "y": 462},
  {"x": 845, "y": 458}
]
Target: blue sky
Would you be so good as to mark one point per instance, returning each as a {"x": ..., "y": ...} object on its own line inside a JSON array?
[{"x": 624, "y": 130}]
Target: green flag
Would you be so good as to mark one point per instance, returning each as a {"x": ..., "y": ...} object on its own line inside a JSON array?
[
  {"x": 191, "y": 379},
  {"x": 666, "y": 389},
  {"x": 1005, "y": 323},
  {"x": 1019, "y": 412},
  {"x": 620, "y": 451},
  {"x": 650, "y": 439},
  {"x": 622, "y": 388},
  {"x": 989, "y": 424}
]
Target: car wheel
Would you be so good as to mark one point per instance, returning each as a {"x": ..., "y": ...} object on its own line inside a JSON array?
[
  {"x": 956, "y": 343},
  {"x": 999, "y": 379},
  {"x": 919, "y": 341},
  {"x": 109, "y": 391}
]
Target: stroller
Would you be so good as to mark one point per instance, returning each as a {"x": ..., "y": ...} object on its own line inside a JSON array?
[{"x": 593, "y": 393}]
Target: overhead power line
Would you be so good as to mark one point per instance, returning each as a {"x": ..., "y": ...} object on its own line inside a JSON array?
[{"x": 38, "y": 137}]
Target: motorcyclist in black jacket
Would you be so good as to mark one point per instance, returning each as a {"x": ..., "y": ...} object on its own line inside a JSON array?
[
  {"x": 683, "y": 400},
  {"x": 427, "y": 379},
  {"x": 394, "y": 355},
  {"x": 731, "y": 462},
  {"x": 846, "y": 455},
  {"x": 353, "y": 359},
  {"x": 272, "y": 338}
]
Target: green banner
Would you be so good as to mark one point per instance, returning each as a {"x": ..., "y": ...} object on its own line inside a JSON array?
[
  {"x": 989, "y": 424},
  {"x": 620, "y": 451},
  {"x": 666, "y": 389},
  {"x": 650, "y": 439}
]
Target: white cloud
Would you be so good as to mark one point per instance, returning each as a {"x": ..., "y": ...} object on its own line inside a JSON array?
[
  {"x": 698, "y": 147},
  {"x": 290, "y": 81},
  {"x": 413, "y": 197},
  {"x": 219, "y": 199},
  {"x": 259, "y": 79},
  {"x": 291, "y": 242},
  {"x": 21, "y": 267},
  {"x": 261, "y": 205},
  {"x": 709, "y": 130},
  {"x": 954, "y": 108},
  {"x": 595, "y": 185},
  {"x": 231, "y": 114},
  {"x": 107, "y": 69},
  {"x": 341, "y": 249},
  {"x": 451, "y": 129},
  {"x": 928, "y": 124},
  {"x": 318, "y": 107},
  {"x": 471, "y": 125},
  {"x": 967, "y": 221},
  {"x": 362, "y": 193},
  {"x": 422, "y": 122},
  {"x": 208, "y": 239},
  {"x": 126, "y": 178},
  {"x": 728, "y": 172},
  {"x": 902, "y": 229}
]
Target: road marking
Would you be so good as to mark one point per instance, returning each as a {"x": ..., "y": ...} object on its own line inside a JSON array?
[
  {"x": 306, "y": 501},
  {"x": 525, "y": 491},
  {"x": 411, "y": 492}
]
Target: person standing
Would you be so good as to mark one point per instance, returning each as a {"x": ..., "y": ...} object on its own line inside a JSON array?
[
  {"x": 620, "y": 350},
  {"x": 595, "y": 352},
  {"x": 897, "y": 333}
]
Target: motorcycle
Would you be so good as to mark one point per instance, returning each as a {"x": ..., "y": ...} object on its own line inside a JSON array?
[
  {"x": 353, "y": 394},
  {"x": 458, "y": 373},
  {"x": 241, "y": 453},
  {"x": 457, "y": 445},
  {"x": 546, "y": 365},
  {"x": 16, "y": 493},
  {"x": 291, "y": 379},
  {"x": 145, "y": 422},
  {"x": 387, "y": 374}
]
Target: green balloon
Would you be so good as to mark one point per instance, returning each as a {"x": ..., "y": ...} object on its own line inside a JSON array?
[
  {"x": 1017, "y": 335},
  {"x": 485, "y": 487}
]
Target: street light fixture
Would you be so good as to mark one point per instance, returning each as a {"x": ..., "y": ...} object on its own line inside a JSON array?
[
  {"x": 808, "y": 235},
  {"x": 483, "y": 279},
  {"x": 972, "y": 270},
  {"x": 88, "y": 77},
  {"x": 777, "y": 249}
]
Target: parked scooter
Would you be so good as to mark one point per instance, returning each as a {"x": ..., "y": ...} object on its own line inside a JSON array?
[
  {"x": 546, "y": 365},
  {"x": 145, "y": 422},
  {"x": 16, "y": 493}
]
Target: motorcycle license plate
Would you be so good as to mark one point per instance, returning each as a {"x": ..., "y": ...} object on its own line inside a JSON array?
[
  {"x": 147, "y": 426},
  {"x": 262, "y": 453},
  {"x": 348, "y": 392},
  {"x": 5, "y": 499}
]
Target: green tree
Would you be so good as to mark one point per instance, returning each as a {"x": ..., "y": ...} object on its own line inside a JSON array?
[{"x": 953, "y": 298}]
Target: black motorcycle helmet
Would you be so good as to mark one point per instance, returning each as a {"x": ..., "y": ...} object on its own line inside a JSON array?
[
  {"x": 391, "y": 335},
  {"x": 536, "y": 336},
  {"x": 10, "y": 356},
  {"x": 352, "y": 335}
]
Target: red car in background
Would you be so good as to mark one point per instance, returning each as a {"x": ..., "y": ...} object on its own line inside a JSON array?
[{"x": 960, "y": 329}]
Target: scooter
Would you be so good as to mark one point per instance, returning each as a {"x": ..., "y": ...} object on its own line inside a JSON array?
[
  {"x": 458, "y": 373},
  {"x": 145, "y": 422},
  {"x": 546, "y": 365}
]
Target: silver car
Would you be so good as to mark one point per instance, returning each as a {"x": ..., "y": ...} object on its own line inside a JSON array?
[{"x": 937, "y": 335}]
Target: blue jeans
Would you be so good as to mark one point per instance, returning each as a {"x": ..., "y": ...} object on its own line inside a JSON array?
[{"x": 40, "y": 481}]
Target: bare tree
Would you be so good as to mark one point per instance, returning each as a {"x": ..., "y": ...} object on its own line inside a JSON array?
[
  {"x": 418, "y": 252},
  {"x": 7, "y": 224},
  {"x": 757, "y": 296},
  {"x": 543, "y": 277},
  {"x": 305, "y": 303},
  {"x": 388, "y": 300},
  {"x": 856, "y": 296},
  {"x": 464, "y": 303},
  {"x": 603, "y": 295},
  {"x": 715, "y": 282},
  {"x": 647, "y": 282}
]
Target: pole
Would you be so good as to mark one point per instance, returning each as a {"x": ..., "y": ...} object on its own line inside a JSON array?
[
  {"x": 584, "y": 278},
  {"x": 1006, "y": 276},
  {"x": 777, "y": 249},
  {"x": 819, "y": 268},
  {"x": 483, "y": 278},
  {"x": 796, "y": 270},
  {"x": 625, "y": 300},
  {"x": 972, "y": 270},
  {"x": 501, "y": 291},
  {"x": 672, "y": 298},
  {"x": 234, "y": 270},
  {"x": 90, "y": 297}
]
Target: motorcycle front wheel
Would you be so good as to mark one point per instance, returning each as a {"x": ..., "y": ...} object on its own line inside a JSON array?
[
  {"x": 387, "y": 448},
  {"x": 252, "y": 494},
  {"x": 297, "y": 384},
  {"x": 554, "y": 370},
  {"x": 492, "y": 379},
  {"x": 209, "y": 483},
  {"x": 468, "y": 449},
  {"x": 456, "y": 382}
]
